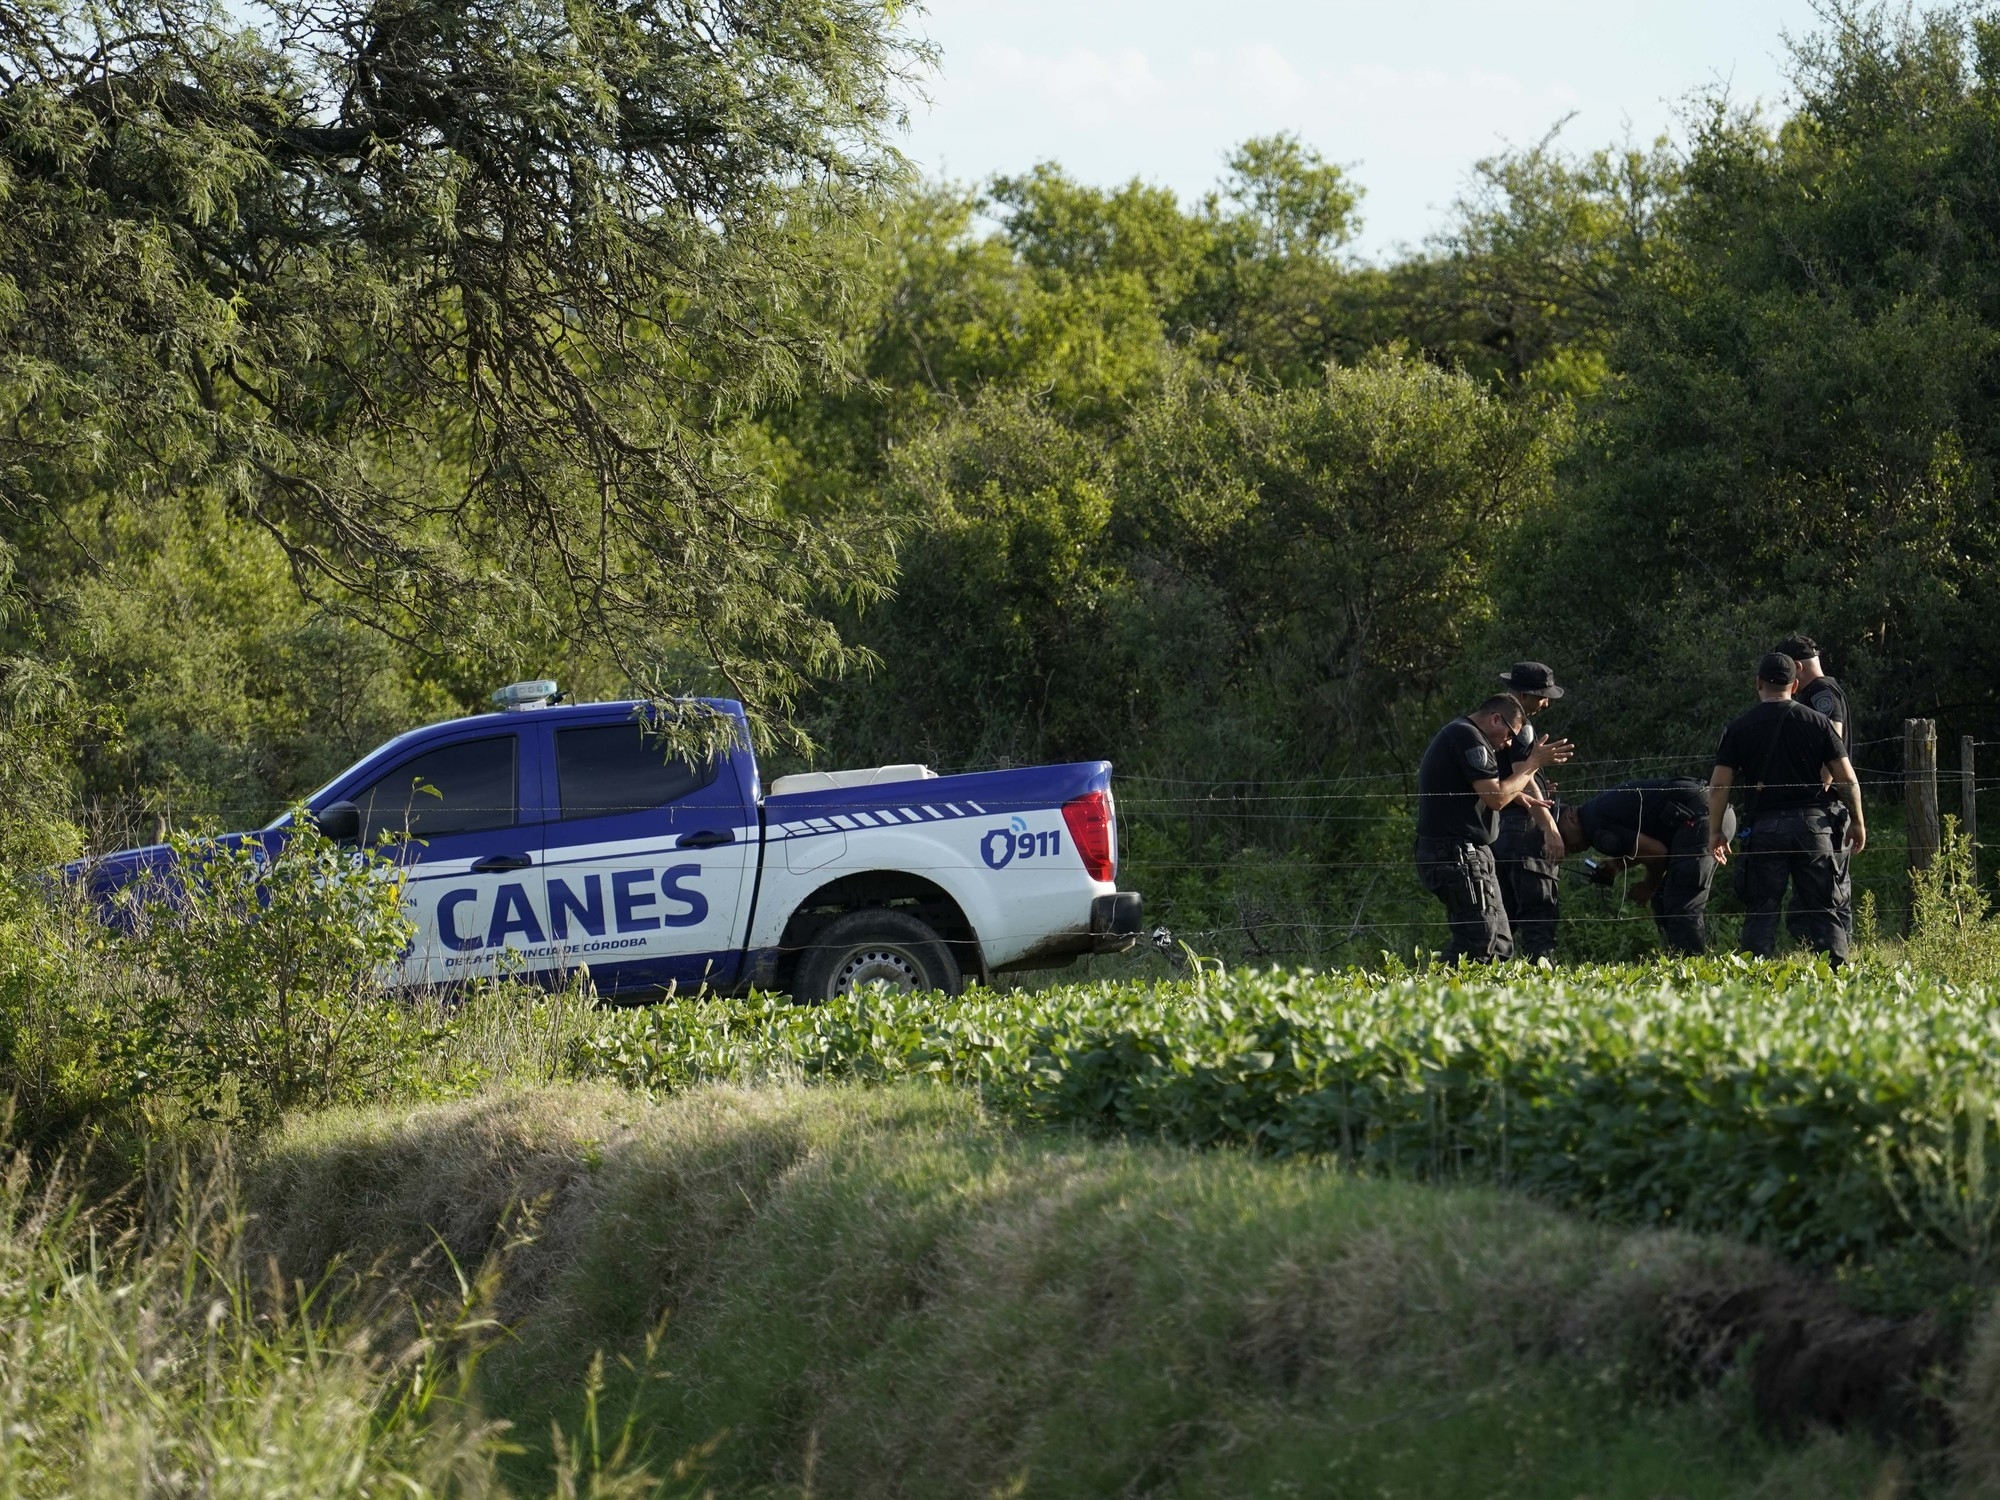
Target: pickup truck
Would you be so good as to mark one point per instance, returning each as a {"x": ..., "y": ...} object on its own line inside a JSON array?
[{"x": 547, "y": 837}]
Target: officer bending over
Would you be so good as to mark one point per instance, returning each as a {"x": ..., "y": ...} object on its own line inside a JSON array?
[
  {"x": 1528, "y": 854},
  {"x": 1460, "y": 792},
  {"x": 1782, "y": 753},
  {"x": 1661, "y": 825}
]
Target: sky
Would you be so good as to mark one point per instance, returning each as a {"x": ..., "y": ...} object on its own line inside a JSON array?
[{"x": 1407, "y": 93}]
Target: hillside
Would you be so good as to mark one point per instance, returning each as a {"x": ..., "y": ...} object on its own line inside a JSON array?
[{"x": 882, "y": 1293}]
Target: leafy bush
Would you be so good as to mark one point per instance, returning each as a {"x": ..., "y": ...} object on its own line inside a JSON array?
[
  {"x": 258, "y": 979},
  {"x": 1820, "y": 1114},
  {"x": 1951, "y": 934},
  {"x": 233, "y": 985}
]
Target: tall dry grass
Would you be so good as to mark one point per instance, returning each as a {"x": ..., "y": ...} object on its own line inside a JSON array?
[{"x": 145, "y": 1352}]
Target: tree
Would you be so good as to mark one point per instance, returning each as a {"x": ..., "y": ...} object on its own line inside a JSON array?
[
  {"x": 1346, "y": 532},
  {"x": 1238, "y": 581},
  {"x": 455, "y": 301},
  {"x": 1527, "y": 285},
  {"x": 1802, "y": 427}
]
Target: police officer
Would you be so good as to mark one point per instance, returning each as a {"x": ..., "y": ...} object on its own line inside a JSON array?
[
  {"x": 1460, "y": 793},
  {"x": 1823, "y": 694},
  {"x": 1662, "y": 826},
  {"x": 1782, "y": 753},
  {"x": 1529, "y": 851}
]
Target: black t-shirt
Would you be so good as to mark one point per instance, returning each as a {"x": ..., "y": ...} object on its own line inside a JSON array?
[
  {"x": 1659, "y": 809},
  {"x": 1823, "y": 695},
  {"x": 1782, "y": 746},
  {"x": 1447, "y": 806}
]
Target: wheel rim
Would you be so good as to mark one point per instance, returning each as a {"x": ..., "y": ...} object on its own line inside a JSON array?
[{"x": 878, "y": 964}]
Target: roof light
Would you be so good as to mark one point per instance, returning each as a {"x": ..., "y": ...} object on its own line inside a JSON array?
[{"x": 518, "y": 695}]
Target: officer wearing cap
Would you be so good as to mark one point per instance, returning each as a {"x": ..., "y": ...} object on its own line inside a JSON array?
[
  {"x": 1823, "y": 694},
  {"x": 1528, "y": 854},
  {"x": 1660, "y": 825},
  {"x": 1782, "y": 754},
  {"x": 1461, "y": 792}
]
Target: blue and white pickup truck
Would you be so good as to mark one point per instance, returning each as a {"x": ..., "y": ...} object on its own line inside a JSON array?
[{"x": 548, "y": 837}]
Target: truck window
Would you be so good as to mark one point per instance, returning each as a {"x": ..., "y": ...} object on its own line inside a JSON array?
[
  {"x": 459, "y": 788},
  {"x": 618, "y": 768}
]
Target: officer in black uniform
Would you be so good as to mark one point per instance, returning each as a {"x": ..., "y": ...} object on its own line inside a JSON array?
[
  {"x": 1460, "y": 793},
  {"x": 1528, "y": 853},
  {"x": 1783, "y": 753},
  {"x": 1661, "y": 825},
  {"x": 1823, "y": 694}
]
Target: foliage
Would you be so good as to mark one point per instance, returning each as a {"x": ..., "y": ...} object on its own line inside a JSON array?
[
  {"x": 1719, "y": 1095},
  {"x": 259, "y": 977},
  {"x": 40, "y": 722},
  {"x": 1951, "y": 933},
  {"x": 1801, "y": 432},
  {"x": 1529, "y": 285},
  {"x": 237, "y": 982},
  {"x": 448, "y": 302},
  {"x": 1292, "y": 556},
  {"x": 218, "y": 694}
]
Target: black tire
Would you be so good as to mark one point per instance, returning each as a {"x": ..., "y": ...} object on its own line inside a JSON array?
[{"x": 875, "y": 947}]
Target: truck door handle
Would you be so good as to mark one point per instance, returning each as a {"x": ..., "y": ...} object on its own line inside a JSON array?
[
  {"x": 494, "y": 864},
  {"x": 705, "y": 838}
]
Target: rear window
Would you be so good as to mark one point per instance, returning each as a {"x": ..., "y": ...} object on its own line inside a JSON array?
[
  {"x": 461, "y": 788},
  {"x": 618, "y": 768}
]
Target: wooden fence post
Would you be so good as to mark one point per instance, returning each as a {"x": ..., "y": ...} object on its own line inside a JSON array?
[
  {"x": 1920, "y": 790},
  {"x": 1968, "y": 802}
]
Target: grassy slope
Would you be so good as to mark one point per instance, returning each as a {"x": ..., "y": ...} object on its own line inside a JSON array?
[{"x": 885, "y": 1292}]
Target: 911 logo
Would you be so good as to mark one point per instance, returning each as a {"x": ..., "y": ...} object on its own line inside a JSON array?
[{"x": 1002, "y": 846}]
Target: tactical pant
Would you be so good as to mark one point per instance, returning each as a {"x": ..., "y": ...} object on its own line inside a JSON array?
[
  {"x": 1530, "y": 885},
  {"x": 1680, "y": 905},
  {"x": 1796, "y": 847},
  {"x": 1842, "y": 822},
  {"x": 1463, "y": 877}
]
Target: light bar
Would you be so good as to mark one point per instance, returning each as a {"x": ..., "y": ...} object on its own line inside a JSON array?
[{"x": 519, "y": 695}]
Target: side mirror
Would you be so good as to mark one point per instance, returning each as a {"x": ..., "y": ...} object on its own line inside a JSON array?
[{"x": 339, "y": 821}]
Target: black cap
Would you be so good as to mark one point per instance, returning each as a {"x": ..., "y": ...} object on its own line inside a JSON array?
[
  {"x": 1799, "y": 647},
  {"x": 1777, "y": 669},
  {"x": 1532, "y": 677}
]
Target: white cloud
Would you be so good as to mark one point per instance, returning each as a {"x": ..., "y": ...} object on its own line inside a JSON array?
[
  {"x": 1263, "y": 74},
  {"x": 1082, "y": 86}
]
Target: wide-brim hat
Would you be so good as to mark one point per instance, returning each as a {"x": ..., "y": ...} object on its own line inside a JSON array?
[{"x": 1532, "y": 677}]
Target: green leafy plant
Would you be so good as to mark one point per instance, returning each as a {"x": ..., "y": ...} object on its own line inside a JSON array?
[
  {"x": 1819, "y": 1113},
  {"x": 1951, "y": 933},
  {"x": 260, "y": 977},
  {"x": 1946, "y": 1180}
]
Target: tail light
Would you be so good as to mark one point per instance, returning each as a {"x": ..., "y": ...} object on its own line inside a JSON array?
[{"x": 1092, "y": 832}]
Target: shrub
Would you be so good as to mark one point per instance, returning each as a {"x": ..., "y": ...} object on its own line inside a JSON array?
[
  {"x": 1951, "y": 934},
  {"x": 1824, "y": 1115},
  {"x": 258, "y": 979}
]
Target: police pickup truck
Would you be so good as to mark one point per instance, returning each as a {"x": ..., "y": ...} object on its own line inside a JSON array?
[{"x": 546, "y": 837}]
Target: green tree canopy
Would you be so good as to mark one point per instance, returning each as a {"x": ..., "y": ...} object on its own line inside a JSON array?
[
  {"x": 452, "y": 300},
  {"x": 1801, "y": 430}
]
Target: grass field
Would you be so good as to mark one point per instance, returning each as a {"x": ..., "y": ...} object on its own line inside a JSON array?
[
  {"x": 1831, "y": 1117},
  {"x": 1706, "y": 1229},
  {"x": 888, "y": 1292}
]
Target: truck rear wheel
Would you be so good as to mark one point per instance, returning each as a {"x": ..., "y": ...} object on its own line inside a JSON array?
[{"x": 863, "y": 948}]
